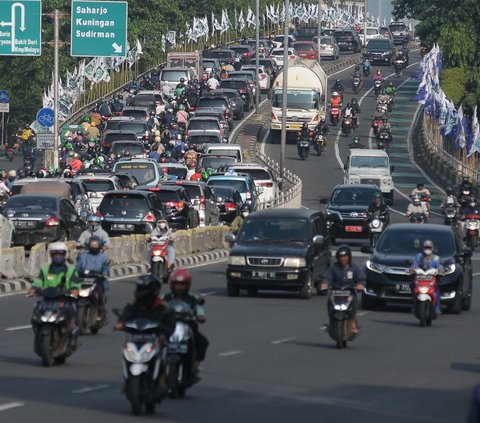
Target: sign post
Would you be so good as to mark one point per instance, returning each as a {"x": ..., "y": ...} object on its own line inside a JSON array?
[
  {"x": 20, "y": 28},
  {"x": 4, "y": 108},
  {"x": 99, "y": 28}
]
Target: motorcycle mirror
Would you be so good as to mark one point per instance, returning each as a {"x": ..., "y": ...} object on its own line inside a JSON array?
[
  {"x": 366, "y": 249},
  {"x": 467, "y": 252}
]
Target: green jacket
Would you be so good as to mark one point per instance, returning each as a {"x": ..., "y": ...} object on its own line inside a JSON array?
[{"x": 47, "y": 279}]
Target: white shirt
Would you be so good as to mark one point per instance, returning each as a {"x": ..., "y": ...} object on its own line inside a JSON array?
[{"x": 213, "y": 83}]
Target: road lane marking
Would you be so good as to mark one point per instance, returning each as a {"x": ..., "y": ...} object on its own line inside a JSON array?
[
  {"x": 18, "y": 328},
  {"x": 283, "y": 341},
  {"x": 205, "y": 294},
  {"x": 230, "y": 353},
  {"x": 362, "y": 313},
  {"x": 89, "y": 389},
  {"x": 10, "y": 405}
]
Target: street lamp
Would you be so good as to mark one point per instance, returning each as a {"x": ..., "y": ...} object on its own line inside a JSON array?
[
  {"x": 283, "y": 136},
  {"x": 257, "y": 48},
  {"x": 319, "y": 35}
]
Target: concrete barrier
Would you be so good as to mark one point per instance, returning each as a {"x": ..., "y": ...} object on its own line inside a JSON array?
[{"x": 12, "y": 262}]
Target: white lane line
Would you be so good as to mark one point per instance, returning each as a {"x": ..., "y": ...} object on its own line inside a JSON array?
[
  {"x": 230, "y": 353},
  {"x": 283, "y": 341},
  {"x": 206, "y": 294},
  {"x": 18, "y": 328},
  {"x": 9, "y": 294},
  {"x": 476, "y": 274},
  {"x": 10, "y": 405},
  {"x": 362, "y": 313},
  {"x": 89, "y": 389}
]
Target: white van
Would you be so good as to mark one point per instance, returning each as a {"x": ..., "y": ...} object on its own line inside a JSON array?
[{"x": 234, "y": 150}]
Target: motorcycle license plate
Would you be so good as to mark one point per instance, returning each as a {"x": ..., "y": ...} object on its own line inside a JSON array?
[
  {"x": 304, "y": 144},
  {"x": 340, "y": 292},
  {"x": 403, "y": 288},
  {"x": 264, "y": 275},
  {"x": 353, "y": 229},
  {"x": 178, "y": 348},
  {"x": 122, "y": 227}
]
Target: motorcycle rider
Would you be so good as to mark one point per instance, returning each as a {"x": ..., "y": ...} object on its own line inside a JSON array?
[
  {"x": 181, "y": 84},
  {"x": 182, "y": 116},
  {"x": 348, "y": 112},
  {"x": 356, "y": 143},
  {"x": 335, "y": 101},
  {"x": 356, "y": 73},
  {"x": 345, "y": 271},
  {"x": 94, "y": 229},
  {"x": 11, "y": 178},
  {"x": 322, "y": 127},
  {"x": 180, "y": 284},
  {"x": 450, "y": 200},
  {"x": 302, "y": 135},
  {"x": 355, "y": 105},
  {"x": 378, "y": 208},
  {"x": 191, "y": 157},
  {"x": 390, "y": 90},
  {"x": 366, "y": 65},
  {"x": 427, "y": 260},
  {"x": 386, "y": 126},
  {"x": 465, "y": 185},
  {"x": 416, "y": 206},
  {"x": 238, "y": 221},
  {"x": 378, "y": 76},
  {"x": 163, "y": 230},
  {"x": 423, "y": 193},
  {"x": 212, "y": 83},
  {"x": 338, "y": 87}
]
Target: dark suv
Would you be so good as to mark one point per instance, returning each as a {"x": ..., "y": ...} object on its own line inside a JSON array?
[
  {"x": 380, "y": 51},
  {"x": 243, "y": 89},
  {"x": 387, "y": 276},
  {"x": 279, "y": 249},
  {"x": 348, "y": 40}
]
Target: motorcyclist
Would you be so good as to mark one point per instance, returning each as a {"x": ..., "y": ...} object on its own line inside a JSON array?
[
  {"x": 416, "y": 206},
  {"x": 191, "y": 157},
  {"x": 423, "y": 192},
  {"x": 366, "y": 65},
  {"x": 355, "y": 105},
  {"x": 386, "y": 126},
  {"x": 470, "y": 206},
  {"x": 379, "y": 76},
  {"x": 356, "y": 73},
  {"x": 212, "y": 83},
  {"x": 11, "y": 178},
  {"x": 322, "y": 127},
  {"x": 149, "y": 305},
  {"x": 335, "y": 100},
  {"x": 182, "y": 116},
  {"x": 180, "y": 284},
  {"x": 400, "y": 57},
  {"x": 349, "y": 112},
  {"x": 163, "y": 230},
  {"x": 404, "y": 50},
  {"x": 343, "y": 272},
  {"x": 466, "y": 187},
  {"x": 338, "y": 87},
  {"x": 181, "y": 84},
  {"x": 94, "y": 229},
  {"x": 390, "y": 89},
  {"x": 356, "y": 143},
  {"x": 238, "y": 221},
  {"x": 168, "y": 118},
  {"x": 303, "y": 133},
  {"x": 378, "y": 208},
  {"x": 450, "y": 200},
  {"x": 93, "y": 131},
  {"x": 427, "y": 260}
]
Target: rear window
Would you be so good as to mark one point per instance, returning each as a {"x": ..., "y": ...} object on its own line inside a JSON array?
[
  {"x": 216, "y": 162},
  {"x": 370, "y": 31},
  {"x": 240, "y": 49},
  {"x": 177, "y": 171},
  {"x": 212, "y": 102},
  {"x": 98, "y": 185},
  {"x": 209, "y": 63},
  {"x": 30, "y": 203},
  {"x": 204, "y": 139},
  {"x": 109, "y": 138},
  {"x": 242, "y": 76},
  {"x": 137, "y": 114},
  {"x": 133, "y": 205},
  {"x": 236, "y": 85},
  {"x": 193, "y": 190},
  {"x": 138, "y": 128},
  {"x": 304, "y": 47},
  {"x": 220, "y": 54},
  {"x": 133, "y": 148},
  {"x": 398, "y": 28},
  {"x": 203, "y": 124},
  {"x": 144, "y": 173},
  {"x": 165, "y": 196},
  {"x": 342, "y": 34},
  {"x": 237, "y": 185},
  {"x": 224, "y": 152},
  {"x": 259, "y": 174},
  {"x": 223, "y": 191},
  {"x": 143, "y": 98}
]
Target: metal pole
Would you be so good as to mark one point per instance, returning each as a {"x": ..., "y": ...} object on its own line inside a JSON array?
[
  {"x": 55, "y": 92},
  {"x": 365, "y": 24},
  {"x": 319, "y": 35},
  {"x": 257, "y": 48},
  {"x": 3, "y": 128},
  {"x": 380, "y": 11},
  {"x": 283, "y": 136}
]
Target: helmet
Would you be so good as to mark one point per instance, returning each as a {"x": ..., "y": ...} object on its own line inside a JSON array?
[
  {"x": 343, "y": 250},
  {"x": 322, "y": 120},
  {"x": 97, "y": 240},
  {"x": 157, "y": 138},
  {"x": 390, "y": 84},
  {"x": 420, "y": 185},
  {"x": 168, "y": 154},
  {"x": 335, "y": 94},
  {"x": 181, "y": 107},
  {"x": 147, "y": 287},
  {"x": 170, "y": 110},
  {"x": 377, "y": 196},
  {"x": 21, "y": 173},
  {"x": 348, "y": 105},
  {"x": 57, "y": 247},
  {"x": 94, "y": 218},
  {"x": 245, "y": 210},
  {"x": 76, "y": 155},
  {"x": 305, "y": 125},
  {"x": 156, "y": 133},
  {"x": 12, "y": 173},
  {"x": 205, "y": 175},
  {"x": 449, "y": 191},
  {"x": 182, "y": 276},
  {"x": 354, "y": 101},
  {"x": 182, "y": 80}
]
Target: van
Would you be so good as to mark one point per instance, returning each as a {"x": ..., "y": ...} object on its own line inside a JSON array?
[
  {"x": 171, "y": 76},
  {"x": 234, "y": 150}
]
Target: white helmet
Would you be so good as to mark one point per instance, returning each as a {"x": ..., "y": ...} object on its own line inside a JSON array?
[
  {"x": 57, "y": 246},
  {"x": 335, "y": 94}
]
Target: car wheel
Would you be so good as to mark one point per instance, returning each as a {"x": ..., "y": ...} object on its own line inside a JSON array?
[
  {"x": 253, "y": 291},
  {"x": 306, "y": 291},
  {"x": 467, "y": 300},
  {"x": 232, "y": 290},
  {"x": 367, "y": 302},
  {"x": 456, "y": 306}
]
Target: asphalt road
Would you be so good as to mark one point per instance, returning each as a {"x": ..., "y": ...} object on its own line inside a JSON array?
[{"x": 270, "y": 359}]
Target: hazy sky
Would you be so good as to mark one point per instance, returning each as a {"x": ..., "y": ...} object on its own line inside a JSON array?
[{"x": 384, "y": 6}]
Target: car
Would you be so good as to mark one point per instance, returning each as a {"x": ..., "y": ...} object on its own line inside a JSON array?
[
  {"x": 328, "y": 47},
  {"x": 270, "y": 65},
  {"x": 175, "y": 171},
  {"x": 177, "y": 204},
  {"x": 243, "y": 183},
  {"x": 111, "y": 135},
  {"x": 263, "y": 76},
  {"x": 346, "y": 211},
  {"x": 139, "y": 127},
  {"x": 143, "y": 99},
  {"x": 263, "y": 49},
  {"x": 136, "y": 149},
  {"x": 224, "y": 56},
  {"x": 219, "y": 103},
  {"x": 400, "y": 32},
  {"x": 385, "y": 31},
  {"x": 386, "y": 269},
  {"x": 113, "y": 122},
  {"x": 235, "y": 102},
  {"x": 200, "y": 140},
  {"x": 130, "y": 212},
  {"x": 215, "y": 161},
  {"x": 229, "y": 202},
  {"x": 145, "y": 171},
  {"x": 203, "y": 200},
  {"x": 279, "y": 249},
  {"x": 198, "y": 125},
  {"x": 171, "y": 76},
  {"x": 306, "y": 33},
  {"x": 244, "y": 53},
  {"x": 306, "y": 50},
  {"x": 98, "y": 185},
  {"x": 158, "y": 97},
  {"x": 137, "y": 112},
  {"x": 234, "y": 150},
  {"x": 210, "y": 65},
  {"x": 372, "y": 34},
  {"x": 42, "y": 218},
  {"x": 244, "y": 75},
  {"x": 277, "y": 54},
  {"x": 348, "y": 40},
  {"x": 243, "y": 88},
  {"x": 278, "y": 40},
  {"x": 227, "y": 124},
  {"x": 380, "y": 51}
]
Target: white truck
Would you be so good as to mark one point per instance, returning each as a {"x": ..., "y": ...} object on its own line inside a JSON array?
[
  {"x": 306, "y": 88},
  {"x": 365, "y": 166}
]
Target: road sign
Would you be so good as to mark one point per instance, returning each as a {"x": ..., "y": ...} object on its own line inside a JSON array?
[
  {"x": 99, "y": 28},
  {"x": 4, "y": 107},
  {"x": 45, "y": 141},
  {"x": 46, "y": 117},
  {"x": 20, "y": 28},
  {"x": 4, "y": 97}
]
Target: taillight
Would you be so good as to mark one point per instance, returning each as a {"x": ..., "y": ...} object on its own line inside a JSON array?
[
  {"x": 202, "y": 202},
  {"x": 52, "y": 221},
  {"x": 248, "y": 195},
  {"x": 242, "y": 90},
  {"x": 149, "y": 217},
  {"x": 230, "y": 207},
  {"x": 179, "y": 205},
  {"x": 265, "y": 184}
]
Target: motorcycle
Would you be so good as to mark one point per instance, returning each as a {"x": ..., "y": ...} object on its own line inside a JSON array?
[
  {"x": 356, "y": 85},
  {"x": 334, "y": 115},
  {"x": 399, "y": 65},
  {"x": 28, "y": 161},
  {"x": 376, "y": 123},
  {"x": 341, "y": 314},
  {"x": 159, "y": 265},
  {"x": 382, "y": 106},
  {"x": 383, "y": 137},
  {"x": 180, "y": 361},
  {"x": 464, "y": 196},
  {"x": 366, "y": 71},
  {"x": 425, "y": 295},
  {"x": 417, "y": 218},
  {"x": 472, "y": 227},
  {"x": 303, "y": 149},
  {"x": 89, "y": 305},
  {"x": 53, "y": 342},
  {"x": 376, "y": 225},
  {"x": 320, "y": 144},
  {"x": 377, "y": 87},
  {"x": 450, "y": 214},
  {"x": 347, "y": 126},
  {"x": 10, "y": 154}
]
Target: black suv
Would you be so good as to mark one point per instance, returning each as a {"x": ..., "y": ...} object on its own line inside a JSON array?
[
  {"x": 279, "y": 249},
  {"x": 348, "y": 40},
  {"x": 346, "y": 210},
  {"x": 130, "y": 212},
  {"x": 380, "y": 51},
  {"x": 387, "y": 278},
  {"x": 243, "y": 89}
]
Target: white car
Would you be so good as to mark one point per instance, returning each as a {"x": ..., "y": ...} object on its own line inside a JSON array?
[
  {"x": 372, "y": 33},
  {"x": 278, "y": 40},
  {"x": 98, "y": 185},
  {"x": 262, "y": 177},
  {"x": 263, "y": 76},
  {"x": 277, "y": 55}
]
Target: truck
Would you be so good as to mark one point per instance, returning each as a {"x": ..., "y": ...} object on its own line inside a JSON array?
[
  {"x": 188, "y": 59},
  {"x": 306, "y": 88},
  {"x": 370, "y": 166}
]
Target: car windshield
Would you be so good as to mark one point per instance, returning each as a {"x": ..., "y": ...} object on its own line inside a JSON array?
[
  {"x": 216, "y": 162},
  {"x": 124, "y": 204},
  {"x": 378, "y": 44},
  {"x": 212, "y": 102},
  {"x": 138, "y": 128},
  {"x": 137, "y": 114},
  {"x": 30, "y": 203},
  {"x": 133, "y": 148},
  {"x": 352, "y": 196},
  {"x": 237, "y": 185},
  {"x": 203, "y": 124},
  {"x": 173, "y": 75},
  {"x": 297, "y": 99},
  {"x": 370, "y": 31},
  {"x": 411, "y": 242},
  {"x": 373, "y": 162},
  {"x": 303, "y": 47},
  {"x": 274, "y": 229},
  {"x": 98, "y": 185},
  {"x": 144, "y": 173}
]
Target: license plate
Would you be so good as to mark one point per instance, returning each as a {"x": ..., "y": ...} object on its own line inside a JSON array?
[
  {"x": 340, "y": 292},
  {"x": 24, "y": 224},
  {"x": 178, "y": 348},
  {"x": 263, "y": 275},
  {"x": 295, "y": 126},
  {"x": 122, "y": 227},
  {"x": 304, "y": 144},
  {"x": 353, "y": 229},
  {"x": 403, "y": 288}
]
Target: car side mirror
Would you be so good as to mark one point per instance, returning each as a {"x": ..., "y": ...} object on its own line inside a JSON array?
[
  {"x": 324, "y": 201},
  {"x": 345, "y": 166},
  {"x": 467, "y": 252},
  {"x": 318, "y": 239},
  {"x": 392, "y": 168},
  {"x": 366, "y": 249},
  {"x": 229, "y": 237}
]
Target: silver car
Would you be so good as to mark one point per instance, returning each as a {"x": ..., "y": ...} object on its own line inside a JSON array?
[{"x": 328, "y": 47}]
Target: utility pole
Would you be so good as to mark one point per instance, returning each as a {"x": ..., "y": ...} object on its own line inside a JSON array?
[
  {"x": 365, "y": 25},
  {"x": 55, "y": 90},
  {"x": 283, "y": 136},
  {"x": 319, "y": 35},
  {"x": 257, "y": 48}
]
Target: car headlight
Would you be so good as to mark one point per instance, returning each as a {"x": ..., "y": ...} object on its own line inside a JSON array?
[
  {"x": 295, "y": 262},
  {"x": 354, "y": 179},
  {"x": 236, "y": 260},
  {"x": 375, "y": 267},
  {"x": 449, "y": 269}
]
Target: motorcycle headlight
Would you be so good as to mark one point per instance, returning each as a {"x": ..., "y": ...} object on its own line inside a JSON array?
[
  {"x": 294, "y": 262},
  {"x": 375, "y": 267},
  {"x": 236, "y": 260},
  {"x": 376, "y": 223},
  {"x": 386, "y": 181},
  {"x": 423, "y": 289},
  {"x": 449, "y": 269}
]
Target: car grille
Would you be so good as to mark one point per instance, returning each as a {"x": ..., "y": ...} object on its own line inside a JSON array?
[
  {"x": 349, "y": 215},
  {"x": 299, "y": 119},
  {"x": 265, "y": 261},
  {"x": 370, "y": 181}
]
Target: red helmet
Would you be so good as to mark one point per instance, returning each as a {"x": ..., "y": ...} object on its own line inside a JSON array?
[
  {"x": 163, "y": 160},
  {"x": 181, "y": 275}
]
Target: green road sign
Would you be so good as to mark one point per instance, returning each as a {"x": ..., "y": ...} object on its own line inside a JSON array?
[
  {"x": 99, "y": 28},
  {"x": 20, "y": 28}
]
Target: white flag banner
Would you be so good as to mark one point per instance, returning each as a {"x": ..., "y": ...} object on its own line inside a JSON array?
[
  {"x": 241, "y": 21},
  {"x": 90, "y": 68},
  {"x": 225, "y": 22},
  {"x": 251, "y": 19},
  {"x": 171, "y": 37},
  {"x": 216, "y": 25},
  {"x": 139, "y": 51}
]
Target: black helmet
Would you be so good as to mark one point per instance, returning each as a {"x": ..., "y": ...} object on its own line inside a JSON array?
[
  {"x": 21, "y": 173},
  {"x": 343, "y": 250},
  {"x": 305, "y": 125},
  {"x": 147, "y": 286},
  {"x": 449, "y": 191},
  {"x": 354, "y": 101},
  {"x": 377, "y": 196},
  {"x": 182, "y": 80},
  {"x": 337, "y": 81},
  {"x": 420, "y": 185}
]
